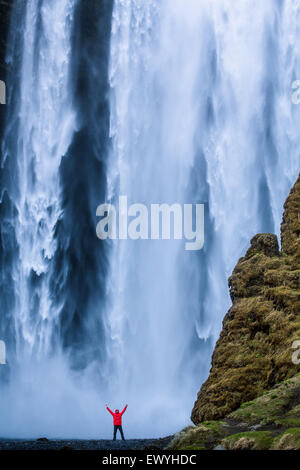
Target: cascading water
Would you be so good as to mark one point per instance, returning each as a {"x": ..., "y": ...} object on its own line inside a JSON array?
[
  {"x": 196, "y": 115},
  {"x": 200, "y": 111},
  {"x": 46, "y": 125}
]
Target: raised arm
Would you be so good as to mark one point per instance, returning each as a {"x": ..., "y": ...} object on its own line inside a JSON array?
[
  {"x": 108, "y": 409},
  {"x": 123, "y": 411}
]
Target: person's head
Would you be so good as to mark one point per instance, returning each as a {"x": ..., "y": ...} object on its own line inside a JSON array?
[{"x": 117, "y": 411}]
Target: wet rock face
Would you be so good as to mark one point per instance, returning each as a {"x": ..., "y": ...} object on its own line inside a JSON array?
[
  {"x": 254, "y": 350},
  {"x": 5, "y": 10}
]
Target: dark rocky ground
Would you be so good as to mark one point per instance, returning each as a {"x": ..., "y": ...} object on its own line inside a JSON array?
[{"x": 76, "y": 444}]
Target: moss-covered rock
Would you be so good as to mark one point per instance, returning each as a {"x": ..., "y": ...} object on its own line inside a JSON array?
[
  {"x": 280, "y": 405},
  {"x": 252, "y": 440},
  {"x": 290, "y": 227},
  {"x": 254, "y": 350},
  {"x": 256, "y": 424},
  {"x": 205, "y": 436},
  {"x": 289, "y": 440}
]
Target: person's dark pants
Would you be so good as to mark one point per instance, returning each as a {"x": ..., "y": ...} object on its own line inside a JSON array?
[{"x": 121, "y": 432}]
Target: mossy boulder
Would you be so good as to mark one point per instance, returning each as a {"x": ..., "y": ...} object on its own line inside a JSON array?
[
  {"x": 254, "y": 350},
  {"x": 289, "y": 440},
  {"x": 252, "y": 440},
  {"x": 266, "y": 243},
  {"x": 280, "y": 406},
  {"x": 257, "y": 424},
  {"x": 202, "y": 437}
]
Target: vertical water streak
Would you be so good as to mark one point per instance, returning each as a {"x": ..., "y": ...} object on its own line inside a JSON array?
[
  {"x": 46, "y": 125},
  {"x": 41, "y": 121}
]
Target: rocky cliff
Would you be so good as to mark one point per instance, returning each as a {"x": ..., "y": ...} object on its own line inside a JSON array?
[{"x": 254, "y": 351}]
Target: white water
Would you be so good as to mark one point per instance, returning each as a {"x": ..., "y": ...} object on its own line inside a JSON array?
[
  {"x": 194, "y": 85},
  {"x": 201, "y": 110},
  {"x": 46, "y": 126},
  {"x": 47, "y": 123}
]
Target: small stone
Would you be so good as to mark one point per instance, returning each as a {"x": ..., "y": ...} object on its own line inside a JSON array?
[{"x": 255, "y": 427}]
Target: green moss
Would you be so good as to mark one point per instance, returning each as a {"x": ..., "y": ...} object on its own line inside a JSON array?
[
  {"x": 289, "y": 422},
  {"x": 214, "y": 426},
  {"x": 206, "y": 436},
  {"x": 289, "y": 440},
  {"x": 193, "y": 448},
  {"x": 255, "y": 440},
  {"x": 271, "y": 407},
  {"x": 246, "y": 404}
]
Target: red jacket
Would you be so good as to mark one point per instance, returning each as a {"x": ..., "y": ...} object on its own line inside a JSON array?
[{"x": 117, "y": 416}]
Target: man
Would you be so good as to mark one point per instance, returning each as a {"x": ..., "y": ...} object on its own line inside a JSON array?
[{"x": 117, "y": 421}]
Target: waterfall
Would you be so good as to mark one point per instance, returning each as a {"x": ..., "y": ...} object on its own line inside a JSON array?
[
  {"x": 200, "y": 111},
  {"x": 162, "y": 101},
  {"x": 46, "y": 126}
]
